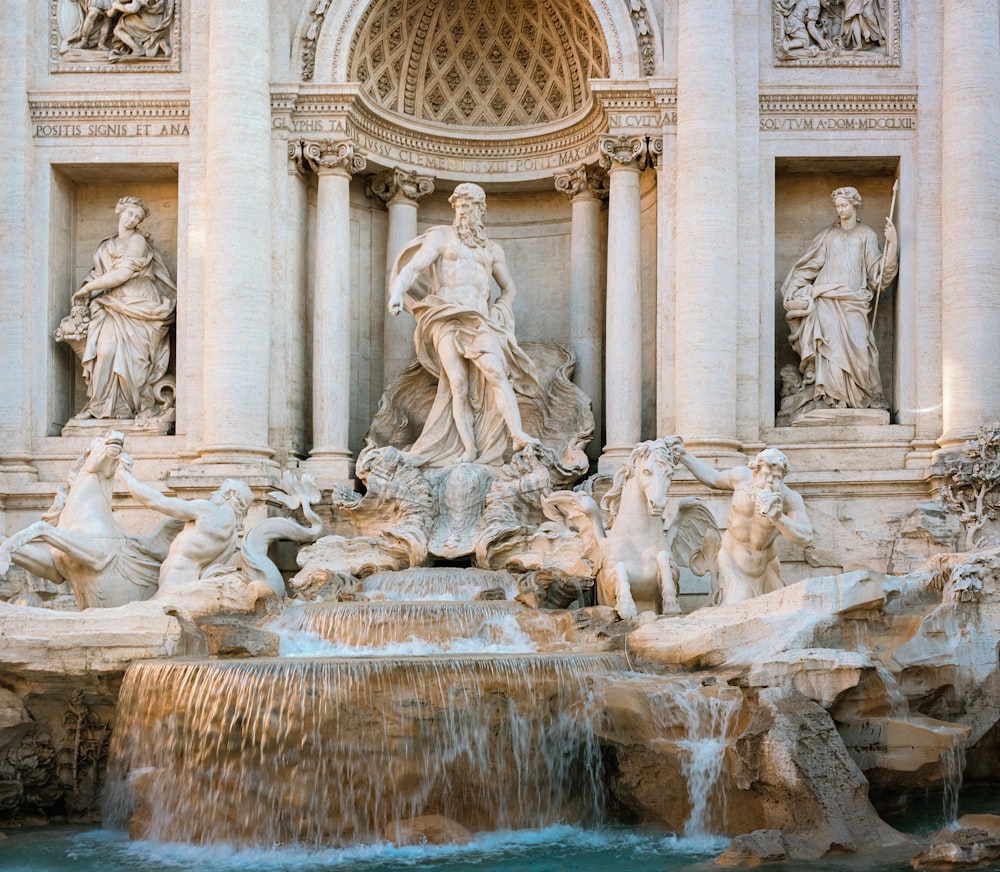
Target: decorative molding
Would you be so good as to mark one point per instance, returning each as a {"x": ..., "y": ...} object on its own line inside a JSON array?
[
  {"x": 837, "y": 49},
  {"x": 643, "y": 36},
  {"x": 318, "y": 14},
  {"x": 394, "y": 183},
  {"x": 824, "y": 113},
  {"x": 113, "y": 117},
  {"x": 66, "y": 16}
]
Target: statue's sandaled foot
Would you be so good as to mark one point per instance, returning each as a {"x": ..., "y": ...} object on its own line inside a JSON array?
[{"x": 470, "y": 456}]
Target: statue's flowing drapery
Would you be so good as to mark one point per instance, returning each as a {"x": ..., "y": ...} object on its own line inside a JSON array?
[
  {"x": 827, "y": 296},
  {"x": 128, "y": 343}
]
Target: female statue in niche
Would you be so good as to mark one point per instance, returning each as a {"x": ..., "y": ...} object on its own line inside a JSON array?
[
  {"x": 120, "y": 322},
  {"x": 827, "y": 297}
]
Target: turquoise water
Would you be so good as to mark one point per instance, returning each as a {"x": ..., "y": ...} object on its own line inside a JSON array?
[{"x": 555, "y": 849}]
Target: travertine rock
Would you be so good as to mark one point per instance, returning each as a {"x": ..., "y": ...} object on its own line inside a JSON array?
[{"x": 795, "y": 775}]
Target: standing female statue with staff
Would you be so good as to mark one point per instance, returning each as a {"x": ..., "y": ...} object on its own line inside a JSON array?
[{"x": 827, "y": 296}]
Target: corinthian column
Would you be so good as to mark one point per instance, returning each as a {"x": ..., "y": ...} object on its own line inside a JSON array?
[
  {"x": 624, "y": 157},
  {"x": 584, "y": 186},
  {"x": 334, "y": 162},
  {"x": 401, "y": 191},
  {"x": 237, "y": 290},
  {"x": 705, "y": 222},
  {"x": 970, "y": 200}
]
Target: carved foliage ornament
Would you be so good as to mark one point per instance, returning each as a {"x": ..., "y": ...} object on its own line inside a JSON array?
[
  {"x": 326, "y": 155},
  {"x": 585, "y": 179},
  {"x": 635, "y": 151},
  {"x": 396, "y": 182}
]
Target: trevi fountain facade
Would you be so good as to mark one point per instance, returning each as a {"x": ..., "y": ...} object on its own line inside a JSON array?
[{"x": 422, "y": 418}]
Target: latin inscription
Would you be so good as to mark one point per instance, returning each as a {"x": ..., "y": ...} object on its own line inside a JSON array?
[
  {"x": 457, "y": 164},
  {"x": 109, "y": 130},
  {"x": 893, "y": 122}
]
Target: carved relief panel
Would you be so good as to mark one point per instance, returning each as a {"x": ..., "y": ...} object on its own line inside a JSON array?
[
  {"x": 114, "y": 36},
  {"x": 835, "y": 32}
]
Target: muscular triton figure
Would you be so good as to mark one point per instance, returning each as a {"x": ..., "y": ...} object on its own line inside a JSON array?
[
  {"x": 463, "y": 338},
  {"x": 762, "y": 508},
  {"x": 211, "y": 528}
]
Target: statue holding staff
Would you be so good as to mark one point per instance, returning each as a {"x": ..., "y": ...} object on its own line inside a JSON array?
[{"x": 827, "y": 296}]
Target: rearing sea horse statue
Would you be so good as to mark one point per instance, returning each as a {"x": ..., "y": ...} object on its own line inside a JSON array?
[{"x": 79, "y": 542}]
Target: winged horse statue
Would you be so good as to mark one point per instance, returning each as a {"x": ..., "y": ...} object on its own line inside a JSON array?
[{"x": 636, "y": 554}]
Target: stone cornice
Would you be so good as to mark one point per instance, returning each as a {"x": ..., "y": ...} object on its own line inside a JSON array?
[
  {"x": 75, "y": 116},
  {"x": 389, "y": 141},
  {"x": 74, "y": 108}
]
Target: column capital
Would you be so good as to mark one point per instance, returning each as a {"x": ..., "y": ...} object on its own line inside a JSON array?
[
  {"x": 324, "y": 156},
  {"x": 585, "y": 180},
  {"x": 405, "y": 184},
  {"x": 631, "y": 152}
]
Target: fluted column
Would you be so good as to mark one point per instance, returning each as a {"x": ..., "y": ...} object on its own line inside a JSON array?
[
  {"x": 970, "y": 204},
  {"x": 14, "y": 371},
  {"x": 236, "y": 295},
  {"x": 706, "y": 226},
  {"x": 334, "y": 162},
  {"x": 401, "y": 191},
  {"x": 584, "y": 186},
  {"x": 624, "y": 158}
]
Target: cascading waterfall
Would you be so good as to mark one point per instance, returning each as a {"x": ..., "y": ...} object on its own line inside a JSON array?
[
  {"x": 699, "y": 721},
  {"x": 416, "y": 628},
  {"x": 446, "y": 583},
  {"x": 952, "y": 758},
  {"x": 340, "y": 751},
  {"x": 710, "y": 722}
]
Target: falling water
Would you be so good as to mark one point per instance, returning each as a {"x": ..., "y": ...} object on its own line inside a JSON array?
[
  {"x": 898, "y": 704},
  {"x": 710, "y": 720},
  {"x": 952, "y": 769},
  {"x": 340, "y": 751},
  {"x": 346, "y": 629},
  {"x": 700, "y": 720},
  {"x": 447, "y": 583}
]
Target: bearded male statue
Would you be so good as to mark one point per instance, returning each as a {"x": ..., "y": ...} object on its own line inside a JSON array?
[{"x": 464, "y": 338}]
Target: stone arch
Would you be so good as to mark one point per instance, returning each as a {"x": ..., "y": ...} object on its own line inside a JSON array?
[{"x": 327, "y": 30}]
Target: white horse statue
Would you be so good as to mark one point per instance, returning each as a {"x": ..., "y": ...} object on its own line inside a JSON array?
[
  {"x": 79, "y": 542},
  {"x": 636, "y": 556}
]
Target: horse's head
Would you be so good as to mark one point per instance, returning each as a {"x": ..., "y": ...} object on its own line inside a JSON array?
[
  {"x": 104, "y": 454},
  {"x": 652, "y": 463}
]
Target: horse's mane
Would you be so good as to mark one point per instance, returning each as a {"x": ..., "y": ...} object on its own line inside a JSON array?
[{"x": 62, "y": 492}]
